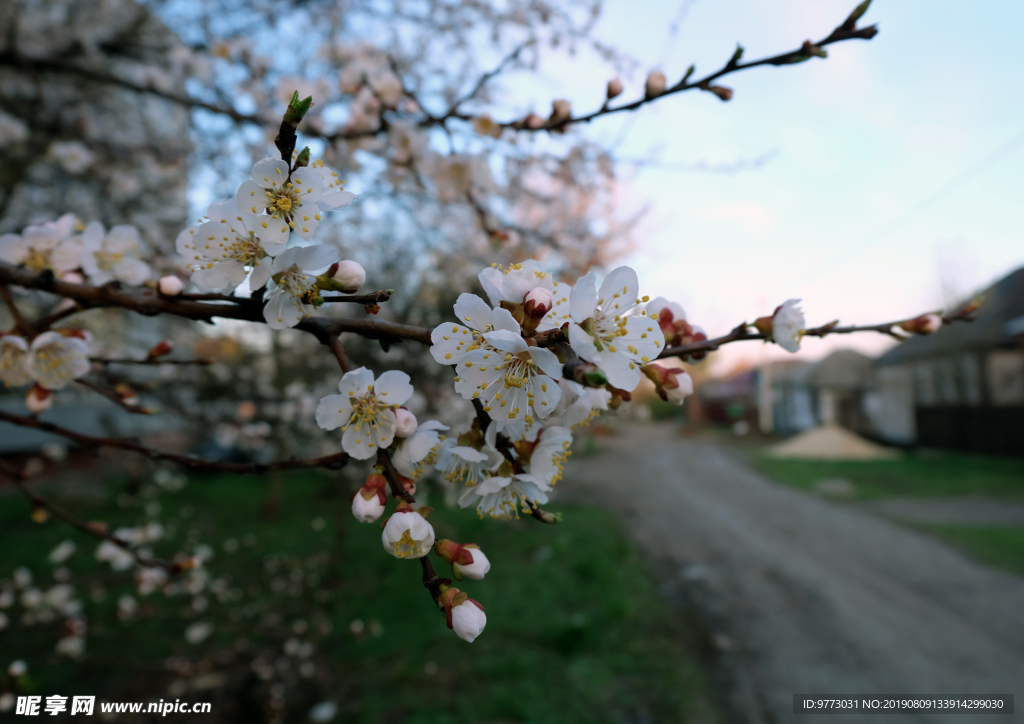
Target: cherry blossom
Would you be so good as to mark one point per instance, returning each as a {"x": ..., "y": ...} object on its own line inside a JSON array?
[
  {"x": 517, "y": 382},
  {"x": 601, "y": 332},
  {"x": 451, "y": 342},
  {"x": 113, "y": 255},
  {"x": 498, "y": 495},
  {"x": 465, "y": 616},
  {"x": 55, "y": 359},
  {"x": 407, "y": 534},
  {"x": 334, "y": 194},
  {"x": 49, "y": 245},
  {"x": 418, "y": 449},
  {"x": 294, "y": 286},
  {"x": 13, "y": 354},
  {"x": 225, "y": 248},
  {"x": 469, "y": 459},
  {"x": 282, "y": 202},
  {"x": 364, "y": 410}
]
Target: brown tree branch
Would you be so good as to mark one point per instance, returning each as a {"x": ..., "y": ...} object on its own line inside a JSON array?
[
  {"x": 149, "y": 303},
  {"x": 114, "y": 397},
  {"x": 742, "y": 333},
  {"x": 94, "y": 530},
  {"x": 339, "y": 354},
  {"x": 155, "y": 361},
  {"x": 844, "y": 32},
  {"x": 19, "y": 321},
  {"x": 329, "y": 462}
]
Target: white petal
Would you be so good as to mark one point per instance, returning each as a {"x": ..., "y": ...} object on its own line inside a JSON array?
[
  {"x": 225, "y": 275},
  {"x": 132, "y": 271},
  {"x": 473, "y": 311},
  {"x": 357, "y": 382},
  {"x": 184, "y": 244},
  {"x": 503, "y": 319},
  {"x": 449, "y": 343},
  {"x": 582, "y": 343},
  {"x": 310, "y": 187},
  {"x": 546, "y": 394},
  {"x": 393, "y": 388},
  {"x": 583, "y": 299},
  {"x": 619, "y": 370},
  {"x": 271, "y": 230},
  {"x": 507, "y": 341},
  {"x": 282, "y": 311},
  {"x": 358, "y": 443},
  {"x": 620, "y": 288},
  {"x": 261, "y": 273},
  {"x": 547, "y": 361},
  {"x": 316, "y": 257},
  {"x": 337, "y": 199},
  {"x": 270, "y": 173},
  {"x": 333, "y": 412},
  {"x": 491, "y": 281},
  {"x": 306, "y": 221},
  {"x": 251, "y": 198}
]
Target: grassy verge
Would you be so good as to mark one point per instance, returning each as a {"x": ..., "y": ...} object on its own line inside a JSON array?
[
  {"x": 997, "y": 546},
  {"x": 575, "y": 632},
  {"x": 931, "y": 474}
]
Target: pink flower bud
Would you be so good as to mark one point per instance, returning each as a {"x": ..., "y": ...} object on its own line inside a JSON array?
[
  {"x": 160, "y": 349},
  {"x": 673, "y": 384},
  {"x": 537, "y": 302},
  {"x": 349, "y": 274},
  {"x": 369, "y": 501},
  {"x": 170, "y": 286},
  {"x": 656, "y": 83},
  {"x": 466, "y": 560},
  {"x": 465, "y": 616},
  {"x": 72, "y": 277},
  {"x": 925, "y": 324},
  {"x": 533, "y": 122},
  {"x": 39, "y": 399},
  {"x": 560, "y": 110},
  {"x": 405, "y": 423},
  {"x": 614, "y": 88}
]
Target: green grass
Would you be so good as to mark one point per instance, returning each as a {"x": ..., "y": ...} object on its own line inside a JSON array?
[
  {"x": 996, "y": 546},
  {"x": 931, "y": 474},
  {"x": 576, "y": 631}
]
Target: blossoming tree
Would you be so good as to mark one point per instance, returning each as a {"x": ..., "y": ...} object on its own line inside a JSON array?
[{"x": 536, "y": 354}]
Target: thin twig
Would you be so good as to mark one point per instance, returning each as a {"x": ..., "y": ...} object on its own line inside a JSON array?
[
  {"x": 156, "y": 361},
  {"x": 19, "y": 321},
  {"x": 339, "y": 354},
  {"x": 114, "y": 397},
  {"x": 93, "y": 530},
  {"x": 329, "y": 462}
]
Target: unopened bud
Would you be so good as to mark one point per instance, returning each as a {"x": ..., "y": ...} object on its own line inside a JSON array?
[
  {"x": 765, "y": 325},
  {"x": 723, "y": 93},
  {"x": 925, "y": 324},
  {"x": 672, "y": 383},
  {"x": 405, "y": 422},
  {"x": 465, "y": 616},
  {"x": 533, "y": 122},
  {"x": 561, "y": 110},
  {"x": 614, "y": 88},
  {"x": 40, "y": 514},
  {"x": 584, "y": 373},
  {"x": 170, "y": 286},
  {"x": 127, "y": 394},
  {"x": 39, "y": 399},
  {"x": 347, "y": 275},
  {"x": 72, "y": 277},
  {"x": 655, "y": 85},
  {"x": 487, "y": 126},
  {"x": 537, "y": 302},
  {"x": 160, "y": 349},
  {"x": 370, "y": 500},
  {"x": 97, "y": 527},
  {"x": 303, "y": 158},
  {"x": 466, "y": 560}
]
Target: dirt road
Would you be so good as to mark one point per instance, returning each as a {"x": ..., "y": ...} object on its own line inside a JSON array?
[{"x": 810, "y": 597}]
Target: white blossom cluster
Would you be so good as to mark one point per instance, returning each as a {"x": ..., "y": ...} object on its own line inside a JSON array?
[{"x": 250, "y": 237}]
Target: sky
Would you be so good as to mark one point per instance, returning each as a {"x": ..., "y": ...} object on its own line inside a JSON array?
[{"x": 895, "y": 166}]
